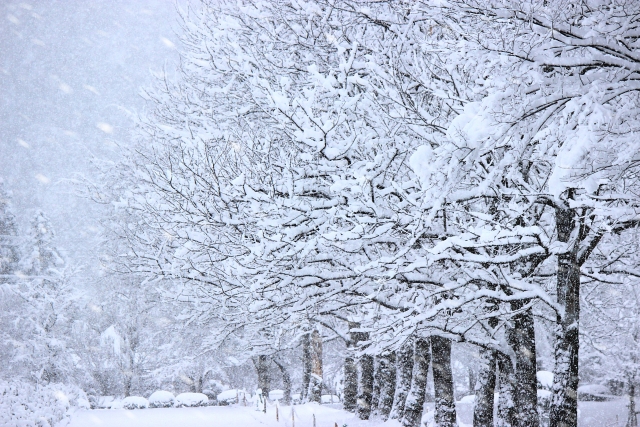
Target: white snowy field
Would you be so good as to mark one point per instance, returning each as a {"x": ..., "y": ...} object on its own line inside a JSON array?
[{"x": 592, "y": 414}]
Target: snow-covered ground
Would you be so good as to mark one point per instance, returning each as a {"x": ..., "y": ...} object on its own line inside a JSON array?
[
  {"x": 213, "y": 416},
  {"x": 592, "y": 414}
]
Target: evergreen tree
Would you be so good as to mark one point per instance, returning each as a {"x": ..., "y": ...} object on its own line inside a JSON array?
[{"x": 9, "y": 248}]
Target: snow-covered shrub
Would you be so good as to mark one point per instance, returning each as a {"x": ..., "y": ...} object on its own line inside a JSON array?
[
  {"x": 161, "y": 399},
  {"x": 276, "y": 394},
  {"x": 116, "y": 404},
  {"x": 329, "y": 398},
  {"x": 229, "y": 397},
  {"x": 191, "y": 399},
  {"x": 545, "y": 380},
  {"x": 544, "y": 405},
  {"x": 135, "y": 402},
  {"x": 27, "y": 405},
  {"x": 468, "y": 399},
  {"x": 594, "y": 393}
]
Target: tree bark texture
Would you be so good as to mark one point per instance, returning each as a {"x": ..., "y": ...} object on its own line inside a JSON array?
[
  {"x": 445, "y": 411},
  {"x": 507, "y": 382},
  {"x": 306, "y": 366},
  {"x": 404, "y": 371},
  {"x": 415, "y": 399},
  {"x": 375, "y": 394},
  {"x": 286, "y": 382},
  {"x": 350, "y": 395},
  {"x": 350, "y": 398},
  {"x": 264, "y": 378},
  {"x": 564, "y": 404},
  {"x": 521, "y": 337},
  {"x": 484, "y": 389},
  {"x": 632, "y": 418},
  {"x": 387, "y": 381},
  {"x": 365, "y": 380},
  {"x": 315, "y": 383}
]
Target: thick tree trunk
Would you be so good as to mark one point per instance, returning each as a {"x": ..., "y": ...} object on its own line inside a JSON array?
[
  {"x": 387, "y": 381},
  {"x": 286, "y": 382},
  {"x": 564, "y": 405},
  {"x": 375, "y": 394},
  {"x": 507, "y": 383},
  {"x": 445, "y": 411},
  {"x": 472, "y": 377},
  {"x": 306, "y": 366},
  {"x": 365, "y": 386},
  {"x": 127, "y": 385},
  {"x": 404, "y": 370},
  {"x": 415, "y": 399},
  {"x": 522, "y": 339},
  {"x": 350, "y": 397},
  {"x": 365, "y": 380},
  {"x": 261, "y": 364},
  {"x": 632, "y": 419},
  {"x": 315, "y": 384},
  {"x": 485, "y": 388}
]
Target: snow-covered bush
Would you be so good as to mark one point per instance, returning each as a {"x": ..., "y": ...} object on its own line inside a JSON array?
[
  {"x": 276, "y": 394},
  {"x": 162, "y": 399},
  {"x": 468, "y": 399},
  {"x": 191, "y": 399},
  {"x": 545, "y": 380},
  {"x": 229, "y": 397},
  {"x": 594, "y": 392},
  {"x": 329, "y": 398},
  {"x": 135, "y": 402},
  {"x": 27, "y": 405}
]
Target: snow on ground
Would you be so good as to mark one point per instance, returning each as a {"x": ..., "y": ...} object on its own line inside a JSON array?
[
  {"x": 592, "y": 414},
  {"x": 222, "y": 416}
]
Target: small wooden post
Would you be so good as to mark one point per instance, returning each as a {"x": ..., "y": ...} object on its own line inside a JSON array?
[
  {"x": 237, "y": 397},
  {"x": 293, "y": 418},
  {"x": 265, "y": 404},
  {"x": 244, "y": 399},
  {"x": 277, "y": 416},
  {"x": 314, "y": 420}
]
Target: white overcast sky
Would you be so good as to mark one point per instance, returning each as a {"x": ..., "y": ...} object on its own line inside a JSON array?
[{"x": 70, "y": 76}]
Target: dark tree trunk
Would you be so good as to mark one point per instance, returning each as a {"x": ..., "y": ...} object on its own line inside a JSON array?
[
  {"x": 286, "y": 382},
  {"x": 472, "y": 376},
  {"x": 484, "y": 389},
  {"x": 445, "y": 411},
  {"x": 404, "y": 370},
  {"x": 375, "y": 394},
  {"x": 522, "y": 339},
  {"x": 261, "y": 364},
  {"x": 365, "y": 386},
  {"x": 365, "y": 379},
  {"x": 315, "y": 383},
  {"x": 632, "y": 419},
  {"x": 506, "y": 408},
  {"x": 306, "y": 366},
  {"x": 387, "y": 380},
  {"x": 485, "y": 386},
  {"x": 415, "y": 399},
  {"x": 564, "y": 406},
  {"x": 127, "y": 385},
  {"x": 350, "y": 398}
]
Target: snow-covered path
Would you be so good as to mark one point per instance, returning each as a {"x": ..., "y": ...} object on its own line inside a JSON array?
[{"x": 215, "y": 416}]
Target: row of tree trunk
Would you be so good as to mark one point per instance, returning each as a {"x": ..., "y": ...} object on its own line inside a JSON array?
[{"x": 394, "y": 384}]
